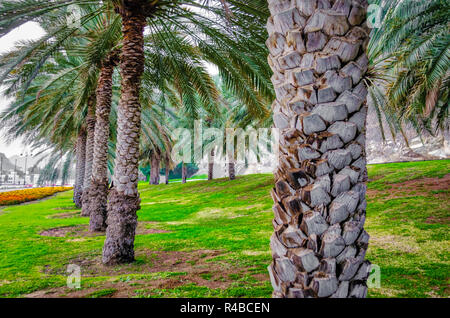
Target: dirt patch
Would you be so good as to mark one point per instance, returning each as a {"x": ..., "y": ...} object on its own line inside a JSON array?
[
  {"x": 148, "y": 262},
  {"x": 415, "y": 187},
  {"x": 197, "y": 267},
  {"x": 83, "y": 230},
  {"x": 395, "y": 243},
  {"x": 151, "y": 231},
  {"x": 70, "y": 231},
  {"x": 67, "y": 215},
  {"x": 375, "y": 178},
  {"x": 65, "y": 208},
  {"x": 143, "y": 228},
  {"x": 431, "y": 184},
  {"x": 436, "y": 220}
]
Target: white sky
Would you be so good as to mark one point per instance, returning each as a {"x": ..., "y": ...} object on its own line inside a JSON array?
[{"x": 28, "y": 31}]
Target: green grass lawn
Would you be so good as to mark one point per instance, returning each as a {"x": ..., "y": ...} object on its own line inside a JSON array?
[{"x": 211, "y": 239}]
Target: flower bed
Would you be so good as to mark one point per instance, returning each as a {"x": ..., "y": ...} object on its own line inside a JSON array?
[{"x": 21, "y": 196}]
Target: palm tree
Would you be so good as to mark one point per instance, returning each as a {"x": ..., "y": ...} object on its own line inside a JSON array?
[
  {"x": 97, "y": 195},
  {"x": 103, "y": 55},
  {"x": 124, "y": 198},
  {"x": 237, "y": 56},
  {"x": 317, "y": 54},
  {"x": 411, "y": 60}
]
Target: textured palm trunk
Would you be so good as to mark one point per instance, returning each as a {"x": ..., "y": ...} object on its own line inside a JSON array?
[
  {"x": 90, "y": 130},
  {"x": 211, "y": 165},
  {"x": 81, "y": 162},
  {"x": 98, "y": 192},
  {"x": 183, "y": 173},
  {"x": 154, "y": 171},
  {"x": 123, "y": 199},
  {"x": 317, "y": 54}
]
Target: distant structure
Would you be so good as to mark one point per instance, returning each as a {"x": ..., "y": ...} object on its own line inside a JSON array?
[{"x": 11, "y": 173}]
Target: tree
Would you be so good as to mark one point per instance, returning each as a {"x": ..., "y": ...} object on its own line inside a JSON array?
[
  {"x": 123, "y": 199},
  {"x": 220, "y": 39},
  {"x": 317, "y": 54},
  {"x": 155, "y": 159},
  {"x": 81, "y": 162},
  {"x": 97, "y": 195},
  {"x": 410, "y": 55}
]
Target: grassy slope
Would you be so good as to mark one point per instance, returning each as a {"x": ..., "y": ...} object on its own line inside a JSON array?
[{"x": 408, "y": 224}]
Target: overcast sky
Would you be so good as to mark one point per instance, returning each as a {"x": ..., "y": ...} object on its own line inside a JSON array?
[{"x": 28, "y": 31}]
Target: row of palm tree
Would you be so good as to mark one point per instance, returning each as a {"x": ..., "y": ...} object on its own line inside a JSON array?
[
  {"x": 410, "y": 58},
  {"x": 66, "y": 89},
  {"x": 110, "y": 91}
]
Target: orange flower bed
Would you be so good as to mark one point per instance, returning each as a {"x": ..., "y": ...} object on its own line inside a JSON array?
[{"x": 21, "y": 196}]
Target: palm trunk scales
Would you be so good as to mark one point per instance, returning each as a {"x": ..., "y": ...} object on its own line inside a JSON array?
[
  {"x": 98, "y": 192},
  {"x": 317, "y": 54}
]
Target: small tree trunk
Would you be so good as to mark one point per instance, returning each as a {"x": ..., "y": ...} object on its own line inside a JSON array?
[
  {"x": 98, "y": 192},
  {"x": 211, "y": 165},
  {"x": 81, "y": 161},
  {"x": 183, "y": 173},
  {"x": 317, "y": 54},
  {"x": 150, "y": 179},
  {"x": 167, "y": 171},
  {"x": 231, "y": 171},
  {"x": 90, "y": 128},
  {"x": 231, "y": 165},
  {"x": 154, "y": 171},
  {"x": 123, "y": 199}
]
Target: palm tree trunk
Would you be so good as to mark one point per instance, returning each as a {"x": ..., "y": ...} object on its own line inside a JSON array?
[
  {"x": 81, "y": 162},
  {"x": 231, "y": 170},
  {"x": 90, "y": 129},
  {"x": 124, "y": 199},
  {"x": 231, "y": 166},
  {"x": 183, "y": 173},
  {"x": 317, "y": 53},
  {"x": 167, "y": 170},
  {"x": 98, "y": 192},
  {"x": 211, "y": 165},
  {"x": 154, "y": 171}
]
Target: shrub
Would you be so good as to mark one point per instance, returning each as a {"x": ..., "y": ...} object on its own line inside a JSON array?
[{"x": 21, "y": 196}]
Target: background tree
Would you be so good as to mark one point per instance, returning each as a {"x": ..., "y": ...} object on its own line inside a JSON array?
[{"x": 410, "y": 55}]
